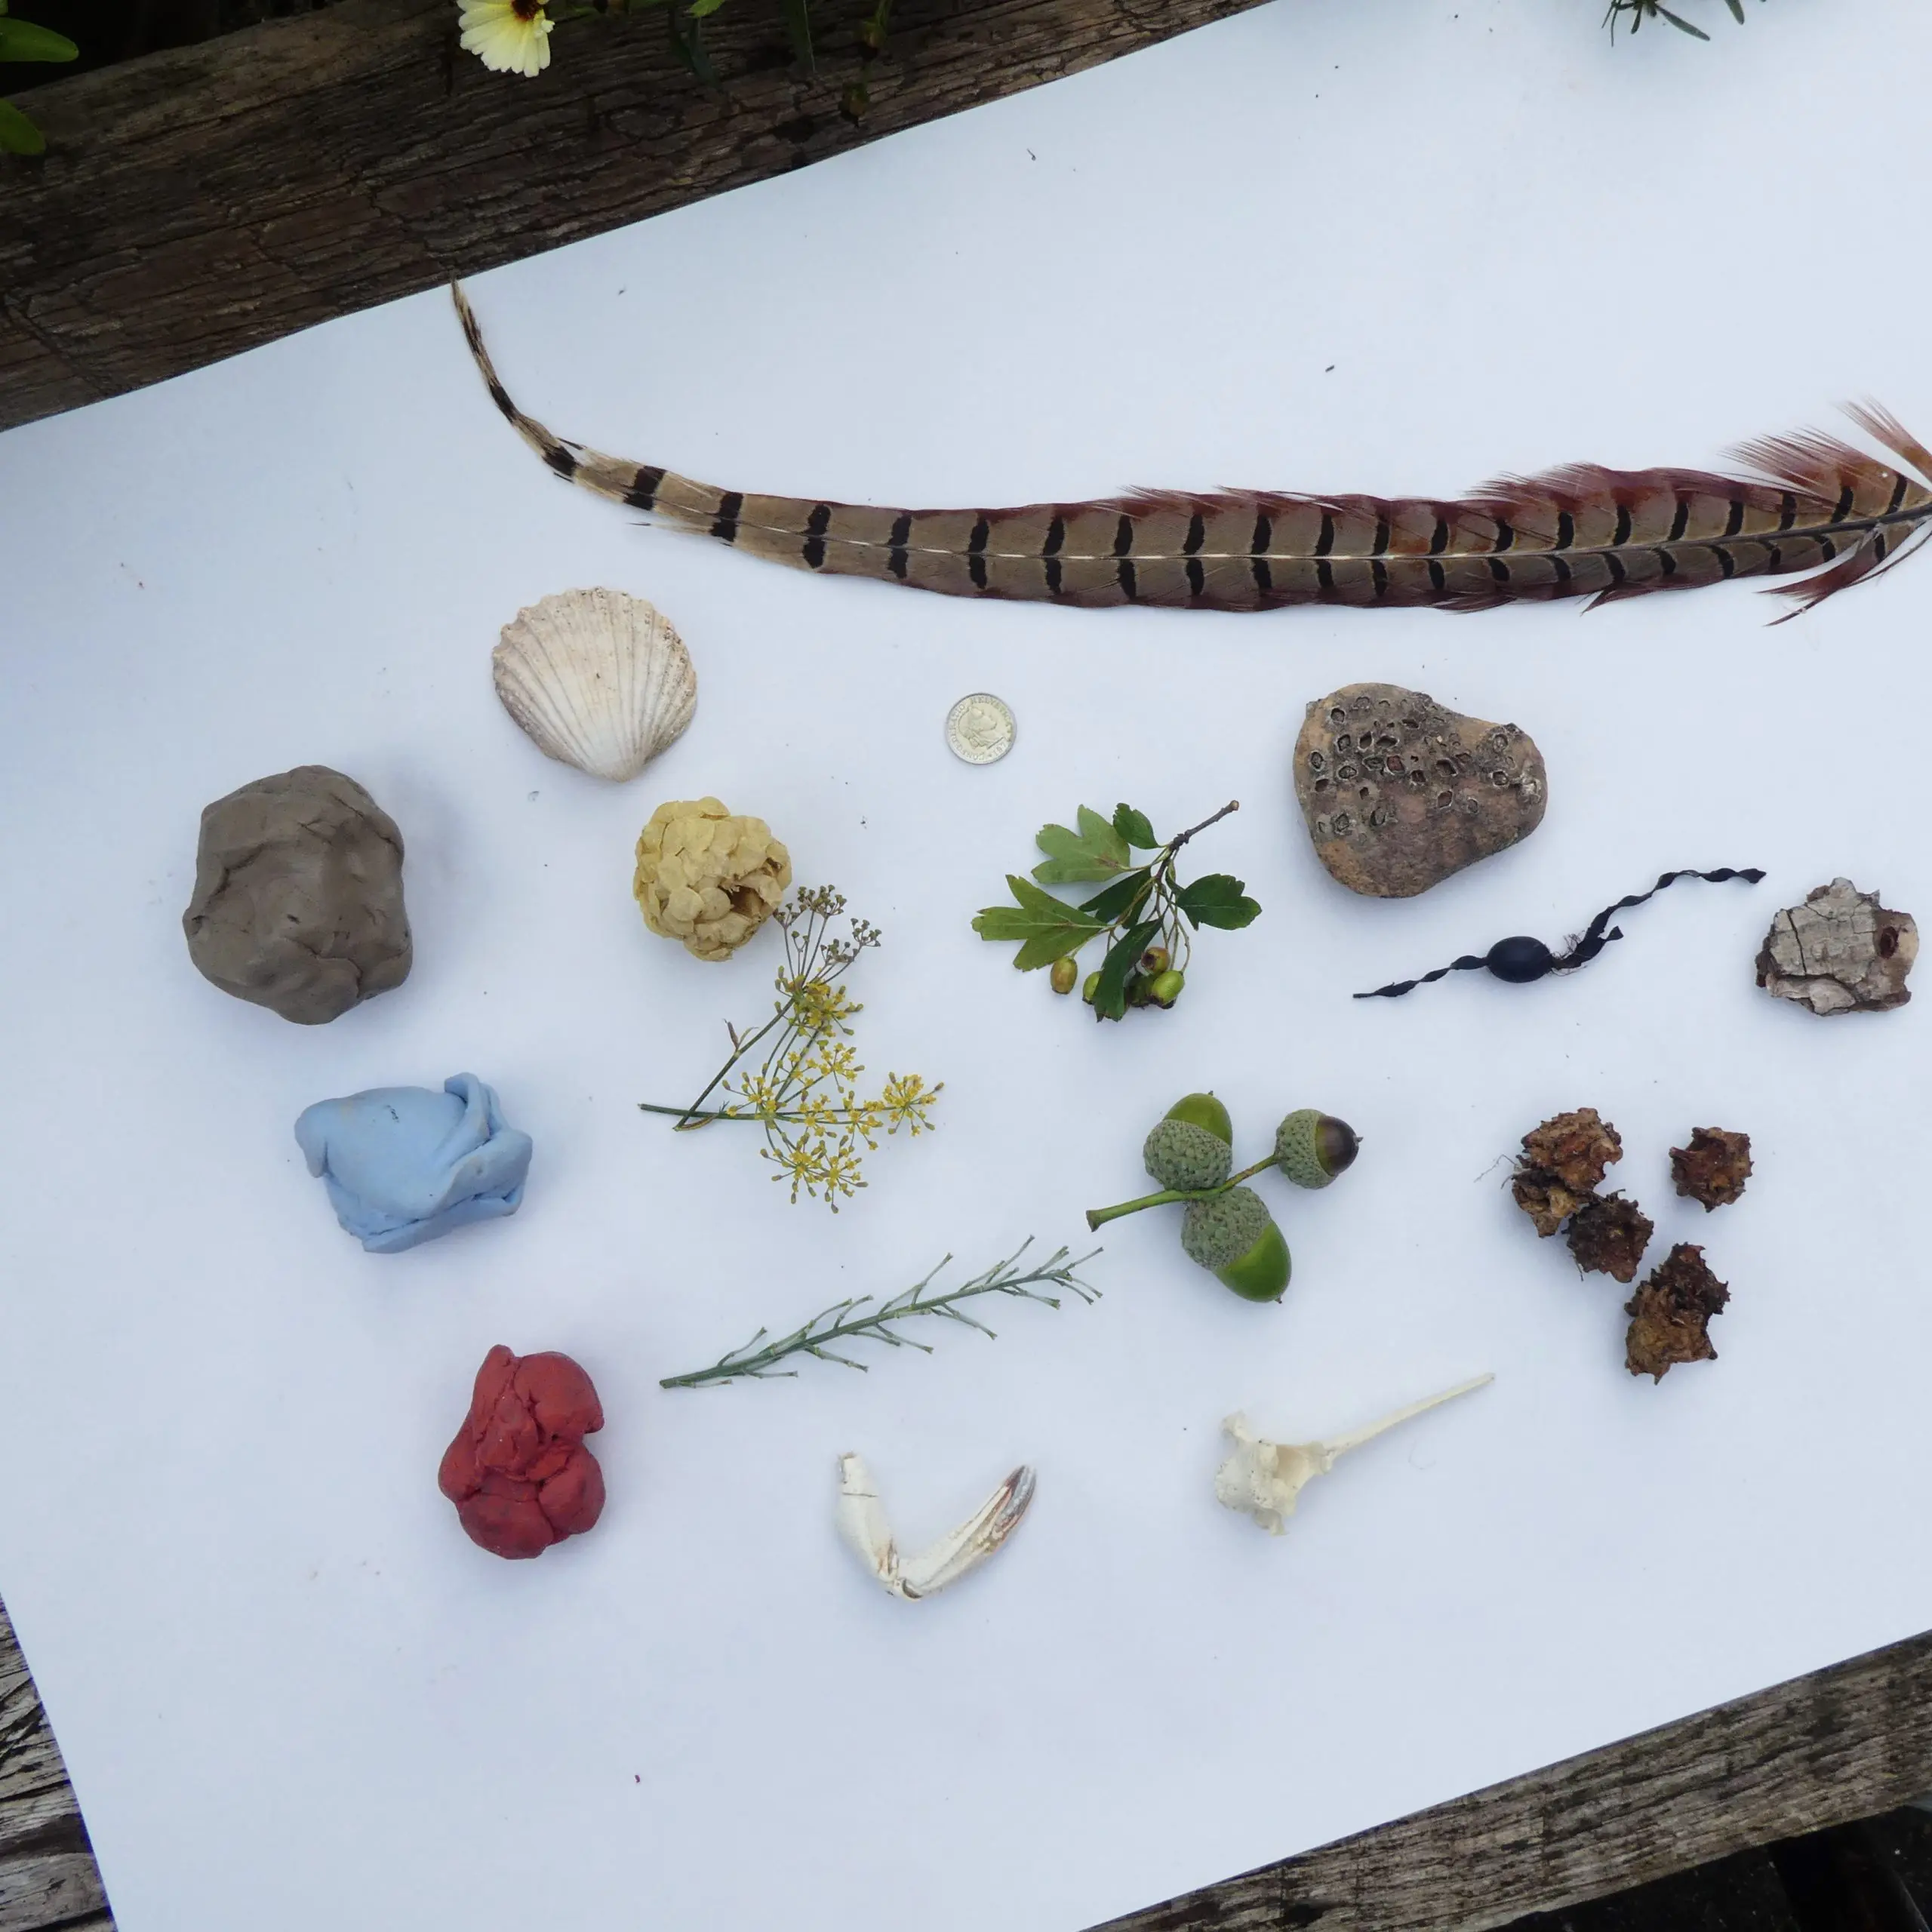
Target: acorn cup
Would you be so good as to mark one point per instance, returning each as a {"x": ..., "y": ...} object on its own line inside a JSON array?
[
  {"x": 1311, "y": 1148},
  {"x": 1234, "y": 1234},
  {"x": 1192, "y": 1146}
]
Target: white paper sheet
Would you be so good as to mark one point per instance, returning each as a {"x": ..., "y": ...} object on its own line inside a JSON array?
[{"x": 1322, "y": 246}]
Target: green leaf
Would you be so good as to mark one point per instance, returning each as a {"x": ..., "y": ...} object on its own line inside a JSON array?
[
  {"x": 1048, "y": 928},
  {"x": 21, "y": 41},
  {"x": 700, "y": 10},
  {"x": 1217, "y": 898},
  {"x": 1133, "y": 826},
  {"x": 1096, "y": 851},
  {"x": 689, "y": 48},
  {"x": 798, "y": 26},
  {"x": 1110, "y": 995},
  {"x": 1119, "y": 899},
  {"x": 18, "y": 135}
]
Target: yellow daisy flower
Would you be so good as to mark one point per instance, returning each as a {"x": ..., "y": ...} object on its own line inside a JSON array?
[{"x": 508, "y": 36}]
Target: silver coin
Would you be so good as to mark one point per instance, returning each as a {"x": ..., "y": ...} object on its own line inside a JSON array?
[{"x": 979, "y": 728}]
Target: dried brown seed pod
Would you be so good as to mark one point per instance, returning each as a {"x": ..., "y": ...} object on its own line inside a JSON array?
[
  {"x": 1561, "y": 1164},
  {"x": 1670, "y": 1313},
  {"x": 1713, "y": 1168},
  {"x": 1608, "y": 1236}
]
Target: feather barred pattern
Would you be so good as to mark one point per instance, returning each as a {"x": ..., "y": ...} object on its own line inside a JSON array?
[{"x": 1581, "y": 531}]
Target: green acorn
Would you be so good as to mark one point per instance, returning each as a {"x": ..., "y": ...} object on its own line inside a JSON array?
[
  {"x": 1193, "y": 1147},
  {"x": 1235, "y": 1234},
  {"x": 1312, "y": 1148}
]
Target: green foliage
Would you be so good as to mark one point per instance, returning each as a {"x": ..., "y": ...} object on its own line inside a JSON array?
[
  {"x": 1638, "y": 11},
  {"x": 1217, "y": 898},
  {"x": 21, "y": 40},
  {"x": 1142, "y": 913},
  {"x": 864, "y": 1320}
]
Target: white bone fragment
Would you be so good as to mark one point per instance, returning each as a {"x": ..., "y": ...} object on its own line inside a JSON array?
[
  {"x": 1265, "y": 1478},
  {"x": 920, "y": 1573}
]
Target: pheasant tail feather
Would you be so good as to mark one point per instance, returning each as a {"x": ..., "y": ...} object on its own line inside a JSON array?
[{"x": 1580, "y": 531}]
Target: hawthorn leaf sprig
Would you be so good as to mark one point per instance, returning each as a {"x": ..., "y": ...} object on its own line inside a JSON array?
[
  {"x": 1142, "y": 914},
  {"x": 865, "y": 1319},
  {"x": 1638, "y": 11}
]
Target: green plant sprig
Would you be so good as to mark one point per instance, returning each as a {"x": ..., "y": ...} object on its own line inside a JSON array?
[
  {"x": 1142, "y": 915},
  {"x": 863, "y": 1319},
  {"x": 21, "y": 40},
  {"x": 1640, "y": 10},
  {"x": 805, "y": 1095}
]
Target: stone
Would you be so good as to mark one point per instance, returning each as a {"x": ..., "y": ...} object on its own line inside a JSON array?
[
  {"x": 1841, "y": 952},
  {"x": 298, "y": 895},
  {"x": 1399, "y": 792}
]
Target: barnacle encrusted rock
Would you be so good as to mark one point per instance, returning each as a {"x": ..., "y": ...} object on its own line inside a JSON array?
[
  {"x": 1670, "y": 1314},
  {"x": 707, "y": 878},
  {"x": 1561, "y": 1165},
  {"x": 1841, "y": 952},
  {"x": 1180, "y": 1154},
  {"x": 1399, "y": 792},
  {"x": 1714, "y": 1167},
  {"x": 1608, "y": 1236},
  {"x": 1218, "y": 1233},
  {"x": 298, "y": 895}
]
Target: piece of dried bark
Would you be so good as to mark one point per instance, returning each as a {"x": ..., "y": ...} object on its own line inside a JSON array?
[
  {"x": 1608, "y": 1236},
  {"x": 1670, "y": 1312},
  {"x": 1713, "y": 1168},
  {"x": 1561, "y": 1164},
  {"x": 1841, "y": 952}
]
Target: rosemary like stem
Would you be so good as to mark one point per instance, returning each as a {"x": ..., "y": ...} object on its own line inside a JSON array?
[
  {"x": 864, "y": 1320},
  {"x": 1098, "y": 1217}
]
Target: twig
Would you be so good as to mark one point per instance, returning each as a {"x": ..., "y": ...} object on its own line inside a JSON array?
[{"x": 862, "y": 1320}]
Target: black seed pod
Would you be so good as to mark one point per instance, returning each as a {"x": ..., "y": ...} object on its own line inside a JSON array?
[{"x": 1519, "y": 960}]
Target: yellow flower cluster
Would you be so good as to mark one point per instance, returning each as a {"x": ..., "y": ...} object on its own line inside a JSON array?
[
  {"x": 707, "y": 878},
  {"x": 818, "y": 1123}
]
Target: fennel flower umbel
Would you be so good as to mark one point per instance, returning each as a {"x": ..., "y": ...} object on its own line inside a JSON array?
[{"x": 508, "y": 36}]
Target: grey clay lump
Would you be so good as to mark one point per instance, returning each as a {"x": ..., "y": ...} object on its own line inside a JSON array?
[{"x": 298, "y": 895}]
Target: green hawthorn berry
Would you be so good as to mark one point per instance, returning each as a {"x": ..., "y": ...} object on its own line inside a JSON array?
[
  {"x": 1092, "y": 985},
  {"x": 1155, "y": 961},
  {"x": 1165, "y": 987},
  {"x": 1311, "y": 1148},
  {"x": 1062, "y": 975}
]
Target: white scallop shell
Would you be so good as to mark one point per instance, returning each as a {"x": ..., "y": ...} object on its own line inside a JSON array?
[{"x": 597, "y": 679}]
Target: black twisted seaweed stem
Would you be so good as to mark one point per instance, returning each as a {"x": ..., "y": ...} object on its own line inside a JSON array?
[{"x": 1520, "y": 959}]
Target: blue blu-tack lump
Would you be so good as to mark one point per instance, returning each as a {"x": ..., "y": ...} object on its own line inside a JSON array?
[{"x": 404, "y": 1165}]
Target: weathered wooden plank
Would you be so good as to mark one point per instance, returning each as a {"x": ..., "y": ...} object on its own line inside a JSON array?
[
  {"x": 198, "y": 202},
  {"x": 51, "y": 1889},
  {"x": 48, "y": 1874},
  {"x": 1820, "y": 1750}
]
